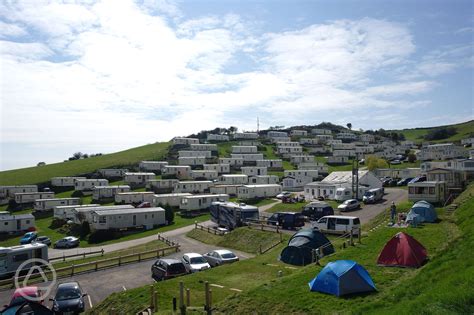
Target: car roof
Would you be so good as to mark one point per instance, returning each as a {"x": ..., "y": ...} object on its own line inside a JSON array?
[
  {"x": 68, "y": 285},
  {"x": 191, "y": 255},
  {"x": 222, "y": 251},
  {"x": 169, "y": 261},
  {"x": 339, "y": 217}
]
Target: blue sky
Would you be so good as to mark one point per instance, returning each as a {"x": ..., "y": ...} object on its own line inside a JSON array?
[{"x": 103, "y": 76}]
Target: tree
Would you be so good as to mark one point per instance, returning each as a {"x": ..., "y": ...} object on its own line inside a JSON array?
[
  {"x": 349, "y": 126},
  {"x": 77, "y": 155},
  {"x": 411, "y": 158},
  {"x": 41, "y": 164},
  {"x": 232, "y": 129},
  {"x": 374, "y": 162},
  {"x": 169, "y": 214}
]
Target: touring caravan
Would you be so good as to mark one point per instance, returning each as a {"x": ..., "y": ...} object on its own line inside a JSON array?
[{"x": 12, "y": 257}]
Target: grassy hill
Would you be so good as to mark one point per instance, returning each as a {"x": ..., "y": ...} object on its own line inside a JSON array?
[
  {"x": 42, "y": 174},
  {"x": 418, "y": 134}
]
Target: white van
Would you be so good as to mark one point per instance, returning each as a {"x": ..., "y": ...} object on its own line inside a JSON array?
[
  {"x": 337, "y": 224},
  {"x": 373, "y": 195}
]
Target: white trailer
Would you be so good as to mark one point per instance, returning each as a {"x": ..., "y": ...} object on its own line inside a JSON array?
[
  {"x": 172, "y": 200},
  {"x": 128, "y": 218},
  {"x": 200, "y": 202},
  {"x": 275, "y": 164},
  {"x": 309, "y": 141},
  {"x": 25, "y": 198},
  {"x": 112, "y": 172},
  {"x": 287, "y": 151},
  {"x": 263, "y": 179},
  {"x": 245, "y": 135},
  {"x": 233, "y": 179},
  {"x": 233, "y": 162},
  {"x": 214, "y": 137},
  {"x": 254, "y": 170},
  {"x": 195, "y": 187},
  {"x": 204, "y": 174},
  {"x": 219, "y": 168},
  {"x": 244, "y": 149},
  {"x": 81, "y": 214},
  {"x": 104, "y": 192},
  {"x": 10, "y": 191},
  {"x": 185, "y": 141},
  {"x": 179, "y": 171},
  {"x": 203, "y": 147},
  {"x": 11, "y": 258},
  {"x": 230, "y": 190},
  {"x": 250, "y": 157},
  {"x": 302, "y": 173},
  {"x": 193, "y": 161},
  {"x": 152, "y": 166},
  {"x": 89, "y": 184},
  {"x": 298, "y": 133},
  {"x": 49, "y": 204},
  {"x": 297, "y": 159},
  {"x": 277, "y": 134},
  {"x": 16, "y": 223},
  {"x": 64, "y": 181},
  {"x": 162, "y": 185},
  {"x": 68, "y": 212},
  {"x": 189, "y": 153},
  {"x": 258, "y": 191},
  {"x": 134, "y": 197},
  {"x": 139, "y": 178}
]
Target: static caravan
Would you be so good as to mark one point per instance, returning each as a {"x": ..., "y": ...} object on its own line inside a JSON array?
[
  {"x": 172, "y": 200},
  {"x": 152, "y": 166},
  {"x": 244, "y": 149},
  {"x": 343, "y": 146},
  {"x": 319, "y": 150},
  {"x": 233, "y": 162},
  {"x": 89, "y": 184},
  {"x": 203, "y": 147},
  {"x": 128, "y": 218},
  {"x": 298, "y": 133},
  {"x": 332, "y": 141},
  {"x": 82, "y": 214},
  {"x": 64, "y": 181},
  {"x": 258, "y": 191},
  {"x": 277, "y": 134},
  {"x": 134, "y": 197},
  {"x": 162, "y": 185},
  {"x": 288, "y": 144},
  {"x": 297, "y": 159},
  {"x": 250, "y": 157},
  {"x": 105, "y": 192},
  {"x": 364, "y": 149},
  {"x": 179, "y": 171},
  {"x": 431, "y": 191},
  {"x": 288, "y": 151},
  {"x": 280, "y": 139},
  {"x": 204, "y": 174},
  {"x": 249, "y": 143},
  {"x": 276, "y": 164},
  {"x": 138, "y": 179},
  {"x": 112, "y": 172},
  {"x": 347, "y": 152},
  {"x": 245, "y": 135},
  {"x": 201, "y": 202},
  {"x": 322, "y": 168},
  {"x": 68, "y": 212},
  {"x": 11, "y": 258},
  {"x": 302, "y": 173},
  {"x": 317, "y": 131},
  {"x": 309, "y": 141},
  {"x": 188, "y": 153},
  {"x": 324, "y": 138},
  {"x": 25, "y": 198},
  {"x": 346, "y": 136},
  {"x": 233, "y": 179},
  {"x": 195, "y": 187},
  {"x": 214, "y": 137},
  {"x": 193, "y": 161},
  {"x": 263, "y": 179},
  {"x": 219, "y": 168},
  {"x": 337, "y": 159},
  {"x": 230, "y": 190},
  {"x": 49, "y": 204},
  {"x": 296, "y": 183},
  {"x": 185, "y": 141},
  {"x": 16, "y": 223},
  {"x": 10, "y": 191},
  {"x": 254, "y": 170}
]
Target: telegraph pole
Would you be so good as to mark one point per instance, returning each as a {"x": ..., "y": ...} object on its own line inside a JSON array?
[{"x": 355, "y": 177}]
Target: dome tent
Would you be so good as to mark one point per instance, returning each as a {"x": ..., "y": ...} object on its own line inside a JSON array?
[
  {"x": 402, "y": 250},
  {"x": 425, "y": 210},
  {"x": 342, "y": 277},
  {"x": 300, "y": 247}
]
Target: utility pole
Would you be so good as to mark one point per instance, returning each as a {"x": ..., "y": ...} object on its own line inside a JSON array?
[{"x": 355, "y": 177}]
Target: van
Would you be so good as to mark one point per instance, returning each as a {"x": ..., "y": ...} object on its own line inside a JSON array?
[
  {"x": 337, "y": 224},
  {"x": 373, "y": 195},
  {"x": 316, "y": 210},
  {"x": 287, "y": 220}
]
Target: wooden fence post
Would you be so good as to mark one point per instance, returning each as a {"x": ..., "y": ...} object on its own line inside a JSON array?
[
  {"x": 206, "y": 290},
  {"x": 210, "y": 301},
  {"x": 188, "y": 297},
  {"x": 359, "y": 236},
  {"x": 102, "y": 252},
  {"x": 152, "y": 294},
  {"x": 72, "y": 270},
  {"x": 260, "y": 249},
  {"x": 155, "y": 301},
  {"x": 351, "y": 242},
  {"x": 182, "y": 307}
]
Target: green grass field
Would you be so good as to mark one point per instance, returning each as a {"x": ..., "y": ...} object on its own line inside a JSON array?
[
  {"x": 464, "y": 130},
  {"x": 42, "y": 174}
]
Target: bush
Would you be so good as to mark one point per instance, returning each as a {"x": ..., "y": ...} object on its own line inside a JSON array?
[
  {"x": 57, "y": 223},
  {"x": 440, "y": 134},
  {"x": 102, "y": 236}
]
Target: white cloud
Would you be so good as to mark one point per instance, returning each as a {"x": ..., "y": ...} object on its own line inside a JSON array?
[{"x": 7, "y": 30}]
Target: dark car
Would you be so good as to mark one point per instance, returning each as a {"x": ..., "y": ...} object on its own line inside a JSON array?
[
  {"x": 164, "y": 269},
  {"x": 287, "y": 220},
  {"x": 404, "y": 181},
  {"x": 418, "y": 179},
  {"x": 316, "y": 210},
  {"x": 43, "y": 240},
  {"x": 69, "y": 298}
]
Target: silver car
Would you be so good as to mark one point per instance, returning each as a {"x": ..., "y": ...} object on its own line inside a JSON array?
[
  {"x": 67, "y": 242},
  {"x": 220, "y": 256},
  {"x": 348, "y": 205}
]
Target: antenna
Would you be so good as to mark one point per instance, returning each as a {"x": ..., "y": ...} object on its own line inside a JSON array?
[{"x": 258, "y": 125}]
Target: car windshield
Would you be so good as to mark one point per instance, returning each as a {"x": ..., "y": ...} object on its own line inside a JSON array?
[
  {"x": 228, "y": 255},
  {"x": 67, "y": 294},
  {"x": 369, "y": 193},
  {"x": 198, "y": 260}
]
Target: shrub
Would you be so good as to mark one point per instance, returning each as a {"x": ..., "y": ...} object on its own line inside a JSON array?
[
  {"x": 57, "y": 223},
  {"x": 102, "y": 236}
]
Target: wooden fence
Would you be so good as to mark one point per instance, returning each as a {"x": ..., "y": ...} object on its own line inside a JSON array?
[
  {"x": 209, "y": 229},
  {"x": 264, "y": 227},
  {"x": 92, "y": 266},
  {"x": 64, "y": 257}
]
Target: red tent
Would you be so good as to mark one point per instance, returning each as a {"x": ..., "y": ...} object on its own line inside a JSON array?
[{"x": 402, "y": 251}]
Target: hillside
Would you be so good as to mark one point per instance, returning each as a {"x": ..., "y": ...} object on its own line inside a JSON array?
[
  {"x": 464, "y": 130},
  {"x": 42, "y": 174}
]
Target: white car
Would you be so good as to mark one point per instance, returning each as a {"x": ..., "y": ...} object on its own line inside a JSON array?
[
  {"x": 283, "y": 194},
  {"x": 348, "y": 205},
  {"x": 195, "y": 262},
  {"x": 220, "y": 256}
]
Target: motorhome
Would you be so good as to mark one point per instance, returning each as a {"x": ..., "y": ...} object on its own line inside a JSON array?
[
  {"x": 338, "y": 224},
  {"x": 231, "y": 215},
  {"x": 11, "y": 258}
]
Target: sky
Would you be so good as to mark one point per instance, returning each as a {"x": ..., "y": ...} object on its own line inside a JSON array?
[{"x": 104, "y": 76}]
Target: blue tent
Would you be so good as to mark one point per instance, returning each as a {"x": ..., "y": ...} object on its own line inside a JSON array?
[
  {"x": 342, "y": 277},
  {"x": 299, "y": 251},
  {"x": 425, "y": 210}
]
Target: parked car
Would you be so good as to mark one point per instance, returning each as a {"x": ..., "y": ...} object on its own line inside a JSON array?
[
  {"x": 69, "y": 299},
  {"x": 317, "y": 209},
  {"x": 28, "y": 238},
  {"x": 390, "y": 182},
  {"x": 394, "y": 162},
  {"x": 373, "y": 195},
  {"x": 195, "y": 262},
  {"x": 21, "y": 295},
  {"x": 404, "y": 181},
  {"x": 348, "y": 205},
  {"x": 219, "y": 257},
  {"x": 283, "y": 194},
  {"x": 287, "y": 220},
  {"x": 418, "y": 179},
  {"x": 67, "y": 242},
  {"x": 337, "y": 224},
  {"x": 164, "y": 269},
  {"x": 43, "y": 240}
]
